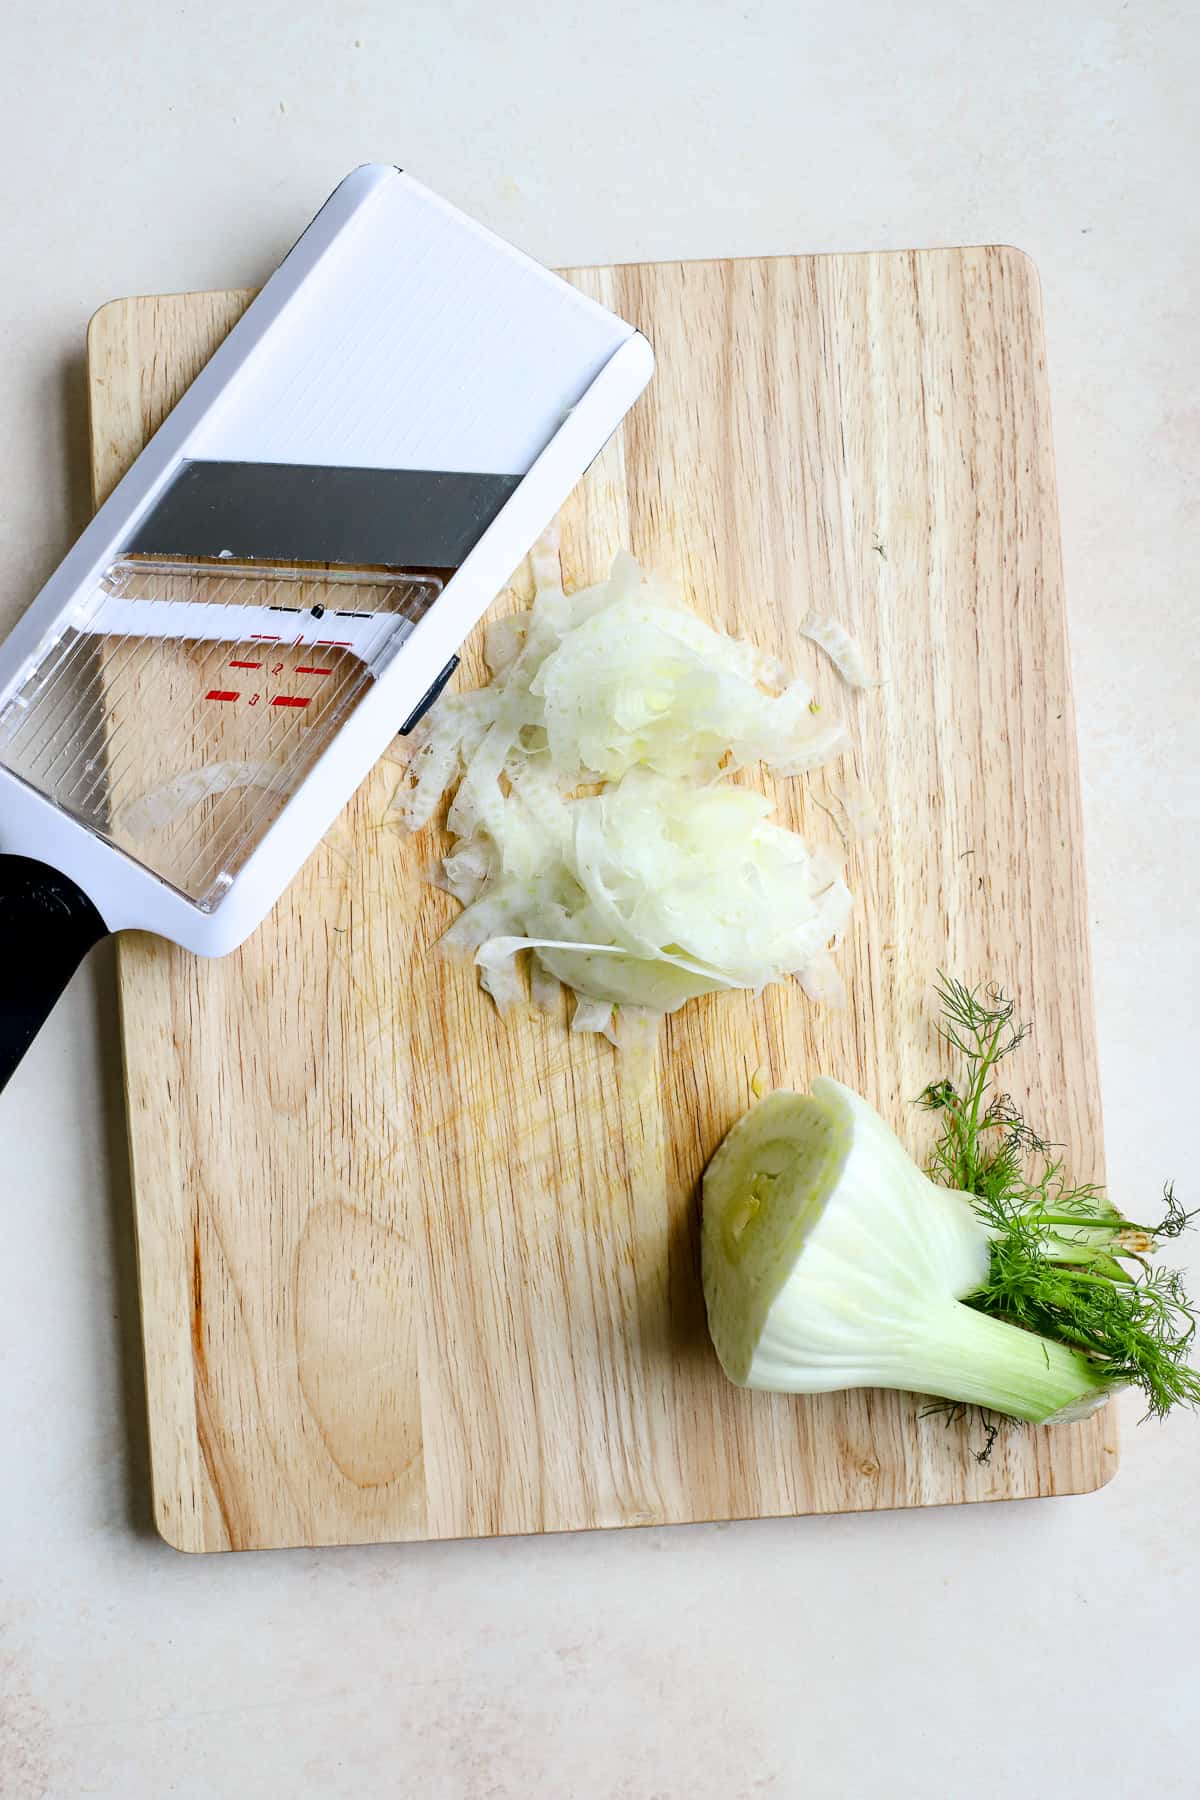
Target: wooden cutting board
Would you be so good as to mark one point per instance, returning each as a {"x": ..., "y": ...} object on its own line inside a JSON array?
[{"x": 410, "y": 1270}]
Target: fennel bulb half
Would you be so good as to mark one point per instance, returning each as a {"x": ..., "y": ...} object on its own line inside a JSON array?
[{"x": 830, "y": 1261}]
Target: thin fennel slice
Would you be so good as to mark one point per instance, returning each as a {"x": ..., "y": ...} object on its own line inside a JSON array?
[
  {"x": 841, "y": 649},
  {"x": 163, "y": 804}
]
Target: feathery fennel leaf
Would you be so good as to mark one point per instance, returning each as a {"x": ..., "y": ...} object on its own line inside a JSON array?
[{"x": 1064, "y": 1262}]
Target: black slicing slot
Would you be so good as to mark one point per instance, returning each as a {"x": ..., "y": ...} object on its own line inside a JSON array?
[{"x": 418, "y": 713}]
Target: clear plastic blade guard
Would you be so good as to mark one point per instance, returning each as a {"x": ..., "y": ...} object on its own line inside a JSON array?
[{"x": 182, "y": 706}]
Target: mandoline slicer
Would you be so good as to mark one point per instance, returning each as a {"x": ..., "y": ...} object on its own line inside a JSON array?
[{"x": 283, "y": 578}]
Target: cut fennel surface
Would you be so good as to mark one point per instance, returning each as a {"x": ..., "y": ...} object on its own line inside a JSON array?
[
  {"x": 669, "y": 881},
  {"x": 831, "y": 1261}
]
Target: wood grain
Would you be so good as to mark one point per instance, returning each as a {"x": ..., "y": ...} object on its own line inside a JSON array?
[{"x": 413, "y": 1271}]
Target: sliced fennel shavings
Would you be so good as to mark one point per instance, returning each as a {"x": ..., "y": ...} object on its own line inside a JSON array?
[{"x": 592, "y": 822}]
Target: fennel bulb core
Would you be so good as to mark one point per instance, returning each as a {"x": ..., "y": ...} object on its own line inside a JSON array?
[{"x": 832, "y": 1261}]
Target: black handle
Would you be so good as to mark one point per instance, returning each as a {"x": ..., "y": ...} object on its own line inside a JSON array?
[{"x": 47, "y": 927}]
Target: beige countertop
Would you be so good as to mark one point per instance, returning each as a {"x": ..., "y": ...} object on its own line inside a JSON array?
[{"x": 1038, "y": 1648}]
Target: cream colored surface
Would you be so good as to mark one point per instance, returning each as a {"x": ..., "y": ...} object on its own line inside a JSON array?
[
  {"x": 412, "y": 1270},
  {"x": 982, "y": 1650}
]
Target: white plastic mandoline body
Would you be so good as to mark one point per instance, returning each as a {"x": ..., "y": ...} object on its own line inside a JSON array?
[{"x": 396, "y": 334}]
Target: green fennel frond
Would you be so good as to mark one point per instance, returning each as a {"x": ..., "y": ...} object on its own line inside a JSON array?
[
  {"x": 1064, "y": 1262},
  {"x": 953, "y": 1412}
]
